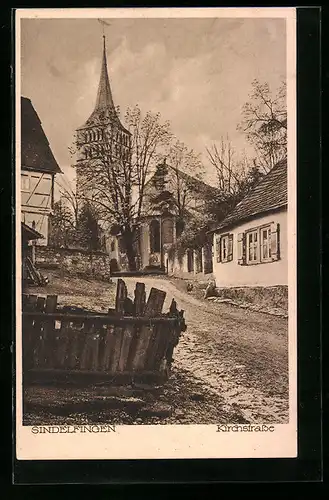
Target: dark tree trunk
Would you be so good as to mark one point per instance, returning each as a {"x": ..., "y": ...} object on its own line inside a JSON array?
[{"x": 128, "y": 238}]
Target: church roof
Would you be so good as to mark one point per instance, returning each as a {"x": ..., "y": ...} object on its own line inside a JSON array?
[
  {"x": 35, "y": 149},
  {"x": 160, "y": 190},
  {"x": 196, "y": 185},
  {"x": 104, "y": 108}
]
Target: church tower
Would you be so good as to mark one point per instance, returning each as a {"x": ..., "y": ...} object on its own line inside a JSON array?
[{"x": 102, "y": 135}]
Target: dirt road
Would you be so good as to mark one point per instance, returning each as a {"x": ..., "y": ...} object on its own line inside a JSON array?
[
  {"x": 240, "y": 356},
  {"x": 230, "y": 366}
]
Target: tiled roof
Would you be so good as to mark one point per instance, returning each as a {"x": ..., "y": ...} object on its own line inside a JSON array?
[
  {"x": 154, "y": 189},
  {"x": 196, "y": 184},
  {"x": 270, "y": 194},
  {"x": 35, "y": 150}
]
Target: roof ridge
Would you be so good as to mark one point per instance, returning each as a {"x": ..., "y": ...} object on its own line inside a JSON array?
[
  {"x": 193, "y": 178},
  {"x": 260, "y": 199}
]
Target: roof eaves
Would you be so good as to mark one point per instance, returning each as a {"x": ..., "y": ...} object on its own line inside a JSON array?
[
  {"x": 242, "y": 220},
  {"x": 33, "y": 234}
]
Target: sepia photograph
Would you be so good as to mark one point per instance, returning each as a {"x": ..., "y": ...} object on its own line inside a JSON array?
[{"x": 155, "y": 191}]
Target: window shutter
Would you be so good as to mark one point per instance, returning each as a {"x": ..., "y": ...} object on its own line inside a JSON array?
[
  {"x": 230, "y": 248},
  {"x": 218, "y": 255},
  {"x": 275, "y": 241},
  {"x": 241, "y": 248}
]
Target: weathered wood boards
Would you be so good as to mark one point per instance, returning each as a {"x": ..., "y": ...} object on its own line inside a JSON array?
[{"x": 136, "y": 339}]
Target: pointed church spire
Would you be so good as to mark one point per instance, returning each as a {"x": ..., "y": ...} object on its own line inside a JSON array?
[{"x": 104, "y": 95}]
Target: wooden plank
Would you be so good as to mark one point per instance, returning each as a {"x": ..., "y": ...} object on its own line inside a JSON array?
[
  {"x": 164, "y": 337},
  {"x": 154, "y": 303},
  {"x": 152, "y": 347},
  {"x": 140, "y": 299},
  {"x": 85, "y": 354},
  {"x": 87, "y": 350},
  {"x": 32, "y": 302},
  {"x": 25, "y": 299},
  {"x": 50, "y": 334},
  {"x": 89, "y": 377},
  {"x": 51, "y": 303},
  {"x": 41, "y": 337},
  {"x": 34, "y": 333},
  {"x": 116, "y": 350},
  {"x": 109, "y": 342},
  {"x": 127, "y": 336},
  {"x": 62, "y": 344},
  {"x": 96, "y": 347},
  {"x": 40, "y": 305},
  {"x": 74, "y": 344},
  {"x": 28, "y": 332},
  {"x": 128, "y": 307},
  {"x": 173, "y": 311},
  {"x": 120, "y": 296},
  {"x": 132, "y": 348},
  {"x": 103, "y": 318},
  {"x": 153, "y": 307}
]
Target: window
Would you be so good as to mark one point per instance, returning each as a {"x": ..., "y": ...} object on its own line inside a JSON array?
[
  {"x": 179, "y": 227},
  {"x": 259, "y": 245},
  {"x": 155, "y": 236},
  {"x": 25, "y": 182},
  {"x": 112, "y": 246},
  {"x": 265, "y": 244},
  {"x": 224, "y": 248},
  {"x": 252, "y": 247},
  {"x": 167, "y": 231},
  {"x": 190, "y": 261}
]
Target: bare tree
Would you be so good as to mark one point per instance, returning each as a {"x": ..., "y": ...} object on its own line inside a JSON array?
[
  {"x": 185, "y": 167},
  {"x": 265, "y": 123},
  {"x": 69, "y": 197},
  {"x": 73, "y": 223},
  {"x": 114, "y": 184},
  {"x": 149, "y": 138},
  {"x": 231, "y": 172}
]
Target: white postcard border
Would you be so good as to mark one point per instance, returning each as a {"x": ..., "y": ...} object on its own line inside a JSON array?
[{"x": 169, "y": 441}]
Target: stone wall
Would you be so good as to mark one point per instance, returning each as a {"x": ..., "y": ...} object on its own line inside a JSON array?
[
  {"x": 264, "y": 297},
  {"x": 73, "y": 262}
]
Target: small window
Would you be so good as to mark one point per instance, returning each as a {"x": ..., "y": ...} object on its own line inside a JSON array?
[
  {"x": 25, "y": 182},
  {"x": 265, "y": 244},
  {"x": 224, "y": 248},
  {"x": 112, "y": 246},
  {"x": 252, "y": 247},
  {"x": 154, "y": 229},
  {"x": 259, "y": 245}
]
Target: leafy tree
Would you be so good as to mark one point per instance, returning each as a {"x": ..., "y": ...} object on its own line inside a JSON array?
[
  {"x": 87, "y": 231},
  {"x": 61, "y": 226}
]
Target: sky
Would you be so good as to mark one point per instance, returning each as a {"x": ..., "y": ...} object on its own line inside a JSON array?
[{"x": 196, "y": 72}]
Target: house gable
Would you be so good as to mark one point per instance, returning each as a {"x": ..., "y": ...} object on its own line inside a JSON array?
[{"x": 36, "y": 153}]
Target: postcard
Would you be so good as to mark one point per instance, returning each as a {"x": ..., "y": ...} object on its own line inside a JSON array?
[{"x": 156, "y": 233}]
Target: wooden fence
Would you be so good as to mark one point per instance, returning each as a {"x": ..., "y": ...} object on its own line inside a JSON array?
[{"x": 132, "y": 342}]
